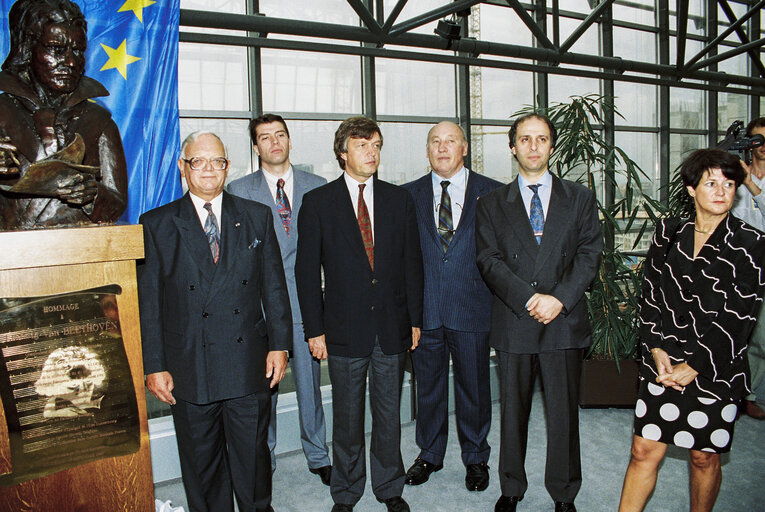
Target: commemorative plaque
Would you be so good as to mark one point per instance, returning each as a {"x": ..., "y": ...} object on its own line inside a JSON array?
[{"x": 65, "y": 382}]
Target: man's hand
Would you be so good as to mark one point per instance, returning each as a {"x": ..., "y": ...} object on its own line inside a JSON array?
[
  {"x": 276, "y": 365},
  {"x": 544, "y": 308},
  {"x": 9, "y": 162},
  {"x": 161, "y": 386},
  {"x": 748, "y": 182},
  {"x": 416, "y": 333},
  {"x": 318, "y": 347},
  {"x": 78, "y": 189}
]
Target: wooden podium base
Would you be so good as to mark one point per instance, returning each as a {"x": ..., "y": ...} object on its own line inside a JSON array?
[{"x": 47, "y": 262}]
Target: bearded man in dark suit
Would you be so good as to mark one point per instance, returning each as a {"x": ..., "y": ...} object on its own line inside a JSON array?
[
  {"x": 538, "y": 243},
  {"x": 212, "y": 271}
]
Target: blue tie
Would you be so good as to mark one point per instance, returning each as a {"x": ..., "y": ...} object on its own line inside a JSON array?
[
  {"x": 213, "y": 235},
  {"x": 536, "y": 214}
]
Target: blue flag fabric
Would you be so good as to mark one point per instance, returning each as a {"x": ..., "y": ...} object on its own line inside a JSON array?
[{"x": 133, "y": 52}]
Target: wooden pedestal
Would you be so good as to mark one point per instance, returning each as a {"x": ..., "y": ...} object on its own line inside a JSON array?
[{"x": 45, "y": 262}]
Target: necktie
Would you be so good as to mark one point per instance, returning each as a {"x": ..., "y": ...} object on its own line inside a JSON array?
[
  {"x": 536, "y": 214},
  {"x": 365, "y": 225},
  {"x": 445, "y": 231},
  {"x": 213, "y": 235},
  {"x": 283, "y": 205}
]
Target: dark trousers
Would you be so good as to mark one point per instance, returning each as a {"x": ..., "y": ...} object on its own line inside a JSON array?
[
  {"x": 349, "y": 377},
  {"x": 560, "y": 372},
  {"x": 221, "y": 444},
  {"x": 469, "y": 353}
]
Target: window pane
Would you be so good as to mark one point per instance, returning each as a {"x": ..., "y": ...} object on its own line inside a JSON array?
[
  {"x": 502, "y": 92},
  {"x": 310, "y": 82},
  {"x": 234, "y": 6},
  {"x": 636, "y": 103},
  {"x": 403, "y": 157},
  {"x": 414, "y": 9},
  {"x": 563, "y": 87},
  {"x": 502, "y": 25},
  {"x": 641, "y": 12},
  {"x": 324, "y": 11},
  {"x": 235, "y": 136},
  {"x": 731, "y": 107},
  {"x": 635, "y": 45},
  {"x": 687, "y": 109},
  {"x": 587, "y": 42},
  {"x": 312, "y": 151},
  {"x": 680, "y": 146},
  {"x": 212, "y": 77},
  {"x": 643, "y": 149},
  {"x": 491, "y": 154},
  {"x": 415, "y": 88}
]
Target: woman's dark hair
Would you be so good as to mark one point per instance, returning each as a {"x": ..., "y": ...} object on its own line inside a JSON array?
[
  {"x": 26, "y": 20},
  {"x": 702, "y": 160},
  {"x": 354, "y": 128}
]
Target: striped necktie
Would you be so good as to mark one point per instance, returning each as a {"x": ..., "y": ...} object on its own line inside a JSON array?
[{"x": 445, "y": 222}]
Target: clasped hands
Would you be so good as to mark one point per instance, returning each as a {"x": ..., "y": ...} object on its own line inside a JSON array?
[
  {"x": 675, "y": 377},
  {"x": 544, "y": 308}
]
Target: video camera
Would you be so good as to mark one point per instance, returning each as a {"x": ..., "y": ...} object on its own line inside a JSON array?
[{"x": 737, "y": 143}]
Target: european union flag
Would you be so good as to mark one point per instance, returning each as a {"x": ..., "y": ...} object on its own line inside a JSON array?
[{"x": 133, "y": 52}]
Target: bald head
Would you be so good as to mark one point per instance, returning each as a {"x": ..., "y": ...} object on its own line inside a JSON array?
[{"x": 447, "y": 148}]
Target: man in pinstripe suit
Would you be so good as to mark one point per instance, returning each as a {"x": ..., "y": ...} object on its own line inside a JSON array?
[{"x": 457, "y": 312}]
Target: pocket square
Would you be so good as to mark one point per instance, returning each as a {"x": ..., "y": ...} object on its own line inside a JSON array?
[{"x": 254, "y": 244}]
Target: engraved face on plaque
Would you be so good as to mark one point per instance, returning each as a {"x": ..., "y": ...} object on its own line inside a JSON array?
[{"x": 65, "y": 382}]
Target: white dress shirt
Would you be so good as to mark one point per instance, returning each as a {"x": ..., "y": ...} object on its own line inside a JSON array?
[
  {"x": 457, "y": 188},
  {"x": 199, "y": 206},
  {"x": 544, "y": 191},
  {"x": 369, "y": 198},
  {"x": 289, "y": 183}
]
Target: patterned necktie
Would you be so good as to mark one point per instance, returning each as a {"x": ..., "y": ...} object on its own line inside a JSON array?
[
  {"x": 536, "y": 214},
  {"x": 445, "y": 231},
  {"x": 365, "y": 225},
  {"x": 213, "y": 235},
  {"x": 283, "y": 205}
]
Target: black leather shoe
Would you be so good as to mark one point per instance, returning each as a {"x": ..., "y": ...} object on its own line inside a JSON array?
[
  {"x": 507, "y": 503},
  {"x": 477, "y": 477},
  {"x": 395, "y": 504},
  {"x": 420, "y": 471},
  {"x": 324, "y": 472},
  {"x": 341, "y": 507},
  {"x": 563, "y": 506}
]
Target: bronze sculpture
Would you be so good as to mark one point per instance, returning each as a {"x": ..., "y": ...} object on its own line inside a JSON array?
[{"x": 61, "y": 156}]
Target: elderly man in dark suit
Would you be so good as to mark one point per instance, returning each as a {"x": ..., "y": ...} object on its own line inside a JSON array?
[
  {"x": 281, "y": 187},
  {"x": 457, "y": 312},
  {"x": 363, "y": 233},
  {"x": 539, "y": 242},
  {"x": 212, "y": 271}
]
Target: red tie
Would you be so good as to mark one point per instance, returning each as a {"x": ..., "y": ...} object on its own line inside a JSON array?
[{"x": 365, "y": 225}]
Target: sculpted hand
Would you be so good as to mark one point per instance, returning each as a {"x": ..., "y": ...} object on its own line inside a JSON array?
[
  {"x": 9, "y": 162},
  {"x": 416, "y": 333},
  {"x": 276, "y": 365},
  {"x": 544, "y": 308},
  {"x": 161, "y": 386},
  {"x": 79, "y": 189},
  {"x": 318, "y": 347}
]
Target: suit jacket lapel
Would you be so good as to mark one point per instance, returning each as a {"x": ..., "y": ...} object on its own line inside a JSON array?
[
  {"x": 193, "y": 236},
  {"x": 557, "y": 218},
  {"x": 423, "y": 202},
  {"x": 347, "y": 219},
  {"x": 231, "y": 233},
  {"x": 518, "y": 219},
  {"x": 467, "y": 218}
]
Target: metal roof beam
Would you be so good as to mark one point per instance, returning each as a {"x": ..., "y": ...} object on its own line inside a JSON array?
[
  {"x": 682, "y": 32},
  {"x": 435, "y": 14},
  {"x": 531, "y": 24},
  {"x": 742, "y": 34},
  {"x": 730, "y": 53},
  {"x": 365, "y": 16},
  {"x": 584, "y": 25},
  {"x": 393, "y": 15}
]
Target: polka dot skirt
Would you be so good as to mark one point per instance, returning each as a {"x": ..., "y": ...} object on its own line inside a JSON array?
[{"x": 671, "y": 417}]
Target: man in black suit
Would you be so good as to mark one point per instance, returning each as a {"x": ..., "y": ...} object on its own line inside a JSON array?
[
  {"x": 457, "y": 312},
  {"x": 363, "y": 233},
  {"x": 538, "y": 243},
  {"x": 212, "y": 270}
]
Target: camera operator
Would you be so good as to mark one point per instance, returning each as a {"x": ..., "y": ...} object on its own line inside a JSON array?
[{"x": 749, "y": 206}]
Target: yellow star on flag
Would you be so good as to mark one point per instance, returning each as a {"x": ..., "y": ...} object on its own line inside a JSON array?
[
  {"x": 118, "y": 58},
  {"x": 137, "y": 6}
]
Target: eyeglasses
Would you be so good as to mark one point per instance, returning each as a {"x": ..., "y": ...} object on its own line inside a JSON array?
[{"x": 198, "y": 163}]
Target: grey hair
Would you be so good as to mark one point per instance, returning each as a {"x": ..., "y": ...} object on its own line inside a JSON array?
[{"x": 193, "y": 136}]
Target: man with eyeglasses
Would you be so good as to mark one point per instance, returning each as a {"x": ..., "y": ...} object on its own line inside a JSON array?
[
  {"x": 281, "y": 187},
  {"x": 456, "y": 312},
  {"x": 216, "y": 325}
]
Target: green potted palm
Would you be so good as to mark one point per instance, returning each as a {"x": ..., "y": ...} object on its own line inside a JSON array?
[{"x": 584, "y": 154}]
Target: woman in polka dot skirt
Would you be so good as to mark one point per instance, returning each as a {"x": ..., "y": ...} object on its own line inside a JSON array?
[{"x": 703, "y": 285}]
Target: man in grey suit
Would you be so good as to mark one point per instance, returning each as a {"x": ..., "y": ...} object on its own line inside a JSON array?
[
  {"x": 216, "y": 327},
  {"x": 538, "y": 243},
  {"x": 280, "y": 186}
]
